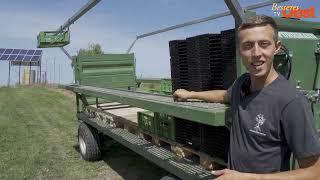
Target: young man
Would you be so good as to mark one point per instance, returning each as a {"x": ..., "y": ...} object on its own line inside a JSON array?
[{"x": 270, "y": 118}]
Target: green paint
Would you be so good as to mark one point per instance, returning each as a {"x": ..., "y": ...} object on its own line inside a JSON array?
[
  {"x": 106, "y": 70},
  {"x": 47, "y": 39}
]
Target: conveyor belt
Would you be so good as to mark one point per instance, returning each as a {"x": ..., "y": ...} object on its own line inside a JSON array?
[{"x": 198, "y": 111}]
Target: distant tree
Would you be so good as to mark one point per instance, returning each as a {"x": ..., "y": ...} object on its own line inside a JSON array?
[{"x": 92, "y": 49}]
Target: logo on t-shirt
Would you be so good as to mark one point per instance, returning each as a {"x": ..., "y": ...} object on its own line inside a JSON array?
[{"x": 260, "y": 121}]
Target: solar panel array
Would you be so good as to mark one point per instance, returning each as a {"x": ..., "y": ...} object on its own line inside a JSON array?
[{"x": 24, "y": 55}]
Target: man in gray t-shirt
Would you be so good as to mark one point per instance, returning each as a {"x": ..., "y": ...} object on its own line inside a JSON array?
[
  {"x": 268, "y": 125},
  {"x": 270, "y": 118}
]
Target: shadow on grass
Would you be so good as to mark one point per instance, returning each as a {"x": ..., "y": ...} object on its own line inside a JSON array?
[
  {"x": 128, "y": 164},
  {"x": 76, "y": 147}
]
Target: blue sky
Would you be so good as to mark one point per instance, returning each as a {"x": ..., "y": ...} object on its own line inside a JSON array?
[{"x": 114, "y": 24}]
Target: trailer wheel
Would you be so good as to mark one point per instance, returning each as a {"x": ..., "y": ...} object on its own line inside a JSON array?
[{"x": 89, "y": 143}]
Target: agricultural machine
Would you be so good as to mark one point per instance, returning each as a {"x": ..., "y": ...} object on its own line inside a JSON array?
[{"x": 188, "y": 139}]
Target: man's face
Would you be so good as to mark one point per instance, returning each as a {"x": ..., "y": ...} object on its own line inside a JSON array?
[{"x": 257, "y": 48}]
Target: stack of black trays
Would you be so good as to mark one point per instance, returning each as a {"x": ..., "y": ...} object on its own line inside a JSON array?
[
  {"x": 179, "y": 64},
  {"x": 215, "y": 141},
  {"x": 216, "y": 62},
  {"x": 188, "y": 133},
  {"x": 204, "y": 62},
  {"x": 200, "y": 77},
  {"x": 228, "y": 45}
]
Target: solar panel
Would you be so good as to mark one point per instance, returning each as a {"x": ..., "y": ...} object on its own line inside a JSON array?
[
  {"x": 23, "y": 51},
  {"x": 16, "y": 51},
  {"x": 8, "y": 51},
  {"x": 38, "y": 52},
  {"x": 12, "y": 57},
  {"x": 20, "y": 58},
  {"x": 4, "y": 57},
  {"x": 27, "y": 58},
  {"x": 35, "y": 58},
  {"x": 30, "y": 52},
  {"x": 25, "y": 55}
]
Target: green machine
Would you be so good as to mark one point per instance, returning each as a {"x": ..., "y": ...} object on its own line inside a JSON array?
[
  {"x": 98, "y": 76},
  {"x": 301, "y": 40},
  {"x": 49, "y": 39},
  {"x": 298, "y": 61}
]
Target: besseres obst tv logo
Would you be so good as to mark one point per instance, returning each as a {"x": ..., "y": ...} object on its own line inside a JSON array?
[{"x": 293, "y": 11}]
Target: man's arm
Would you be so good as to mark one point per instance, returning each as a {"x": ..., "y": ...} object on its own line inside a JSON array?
[
  {"x": 310, "y": 170},
  {"x": 216, "y": 96}
]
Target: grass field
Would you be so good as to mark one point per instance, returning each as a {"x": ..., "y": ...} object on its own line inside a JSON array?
[{"x": 38, "y": 140}]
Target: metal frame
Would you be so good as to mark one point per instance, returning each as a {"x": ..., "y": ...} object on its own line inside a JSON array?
[
  {"x": 182, "y": 168},
  {"x": 236, "y": 11},
  {"x": 9, "y": 73},
  {"x": 234, "y": 6},
  {"x": 19, "y": 73},
  {"x": 74, "y": 18},
  {"x": 197, "y": 111}
]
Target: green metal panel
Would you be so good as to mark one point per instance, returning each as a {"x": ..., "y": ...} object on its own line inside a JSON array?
[
  {"x": 146, "y": 121},
  {"x": 48, "y": 39},
  {"x": 293, "y": 25},
  {"x": 316, "y": 114},
  {"x": 106, "y": 70},
  {"x": 303, "y": 61},
  {"x": 165, "y": 126},
  {"x": 205, "y": 113},
  {"x": 317, "y": 81},
  {"x": 296, "y": 25},
  {"x": 166, "y": 86}
]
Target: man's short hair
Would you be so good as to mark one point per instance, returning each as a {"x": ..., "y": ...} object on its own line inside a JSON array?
[{"x": 259, "y": 20}]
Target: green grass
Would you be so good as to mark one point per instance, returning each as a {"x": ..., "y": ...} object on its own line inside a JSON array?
[{"x": 38, "y": 130}]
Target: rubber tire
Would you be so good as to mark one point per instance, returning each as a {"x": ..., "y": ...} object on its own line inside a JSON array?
[
  {"x": 89, "y": 137},
  {"x": 170, "y": 177}
]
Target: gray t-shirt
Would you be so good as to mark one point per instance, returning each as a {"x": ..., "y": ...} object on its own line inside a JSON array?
[{"x": 268, "y": 125}]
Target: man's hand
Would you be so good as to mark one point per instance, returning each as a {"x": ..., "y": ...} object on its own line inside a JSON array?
[
  {"x": 227, "y": 174},
  {"x": 182, "y": 95}
]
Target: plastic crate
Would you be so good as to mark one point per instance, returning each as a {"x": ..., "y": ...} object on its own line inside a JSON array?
[
  {"x": 165, "y": 126},
  {"x": 146, "y": 121},
  {"x": 47, "y": 39}
]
